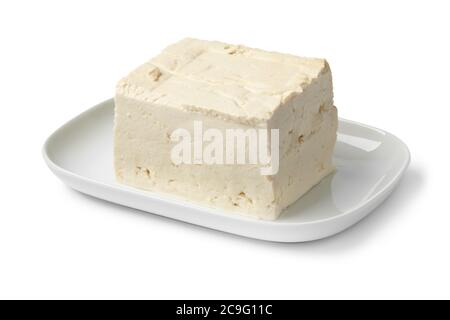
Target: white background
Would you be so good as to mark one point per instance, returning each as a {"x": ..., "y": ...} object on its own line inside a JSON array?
[{"x": 390, "y": 62}]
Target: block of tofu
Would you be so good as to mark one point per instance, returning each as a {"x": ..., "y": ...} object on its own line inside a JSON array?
[{"x": 226, "y": 86}]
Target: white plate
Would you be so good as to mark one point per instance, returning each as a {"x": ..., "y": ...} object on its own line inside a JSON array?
[{"x": 369, "y": 165}]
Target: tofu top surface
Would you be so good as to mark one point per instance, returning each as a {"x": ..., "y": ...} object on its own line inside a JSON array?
[{"x": 218, "y": 78}]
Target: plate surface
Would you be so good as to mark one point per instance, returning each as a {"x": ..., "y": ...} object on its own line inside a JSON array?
[{"x": 369, "y": 163}]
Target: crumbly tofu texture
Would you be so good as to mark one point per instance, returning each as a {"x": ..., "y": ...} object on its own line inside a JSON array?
[{"x": 226, "y": 86}]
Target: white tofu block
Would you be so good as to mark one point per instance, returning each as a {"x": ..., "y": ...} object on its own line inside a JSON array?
[{"x": 226, "y": 87}]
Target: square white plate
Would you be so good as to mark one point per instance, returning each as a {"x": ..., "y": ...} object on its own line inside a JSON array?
[{"x": 369, "y": 162}]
